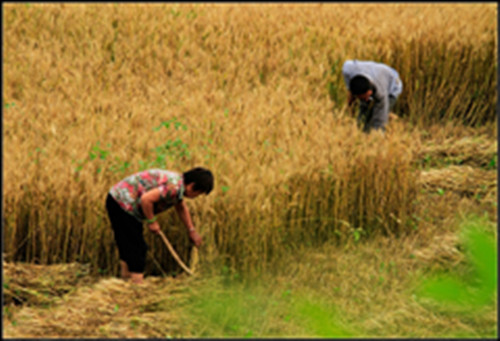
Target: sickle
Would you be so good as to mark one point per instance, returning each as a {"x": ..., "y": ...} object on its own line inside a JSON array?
[{"x": 174, "y": 254}]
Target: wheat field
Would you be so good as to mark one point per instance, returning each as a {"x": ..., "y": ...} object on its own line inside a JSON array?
[
  {"x": 313, "y": 229},
  {"x": 95, "y": 92}
]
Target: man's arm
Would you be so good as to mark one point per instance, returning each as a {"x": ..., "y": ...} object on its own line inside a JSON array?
[
  {"x": 185, "y": 216},
  {"x": 380, "y": 115},
  {"x": 350, "y": 98}
]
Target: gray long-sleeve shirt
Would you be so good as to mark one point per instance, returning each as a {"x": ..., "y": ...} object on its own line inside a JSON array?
[{"x": 385, "y": 80}]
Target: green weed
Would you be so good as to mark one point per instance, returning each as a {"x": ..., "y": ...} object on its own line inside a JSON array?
[{"x": 476, "y": 290}]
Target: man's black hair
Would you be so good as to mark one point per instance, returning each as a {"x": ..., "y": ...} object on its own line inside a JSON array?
[
  {"x": 202, "y": 178},
  {"x": 359, "y": 85}
]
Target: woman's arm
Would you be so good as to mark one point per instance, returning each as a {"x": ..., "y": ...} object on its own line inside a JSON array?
[
  {"x": 147, "y": 204},
  {"x": 185, "y": 216}
]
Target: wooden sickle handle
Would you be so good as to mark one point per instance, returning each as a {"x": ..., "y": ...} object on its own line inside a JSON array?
[{"x": 174, "y": 254}]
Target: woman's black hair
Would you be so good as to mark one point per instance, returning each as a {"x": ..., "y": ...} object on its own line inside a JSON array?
[{"x": 202, "y": 178}]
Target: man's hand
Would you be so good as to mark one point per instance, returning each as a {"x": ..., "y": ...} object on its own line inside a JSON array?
[
  {"x": 350, "y": 98},
  {"x": 195, "y": 237},
  {"x": 154, "y": 227}
]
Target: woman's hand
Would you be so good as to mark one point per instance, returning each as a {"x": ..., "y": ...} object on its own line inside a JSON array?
[
  {"x": 195, "y": 237},
  {"x": 154, "y": 227},
  {"x": 184, "y": 215}
]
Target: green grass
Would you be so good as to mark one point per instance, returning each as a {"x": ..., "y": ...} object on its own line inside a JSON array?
[
  {"x": 467, "y": 290},
  {"x": 453, "y": 302},
  {"x": 255, "y": 310}
]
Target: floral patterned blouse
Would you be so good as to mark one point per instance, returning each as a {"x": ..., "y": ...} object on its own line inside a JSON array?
[{"x": 128, "y": 192}]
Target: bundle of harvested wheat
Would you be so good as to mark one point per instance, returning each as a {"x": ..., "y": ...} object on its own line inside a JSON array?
[
  {"x": 463, "y": 180},
  {"x": 109, "y": 308},
  {"x": 476, "y": 151},
  {"x": 443, "y": 250},
  {"x": 38, "y": 285}
]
